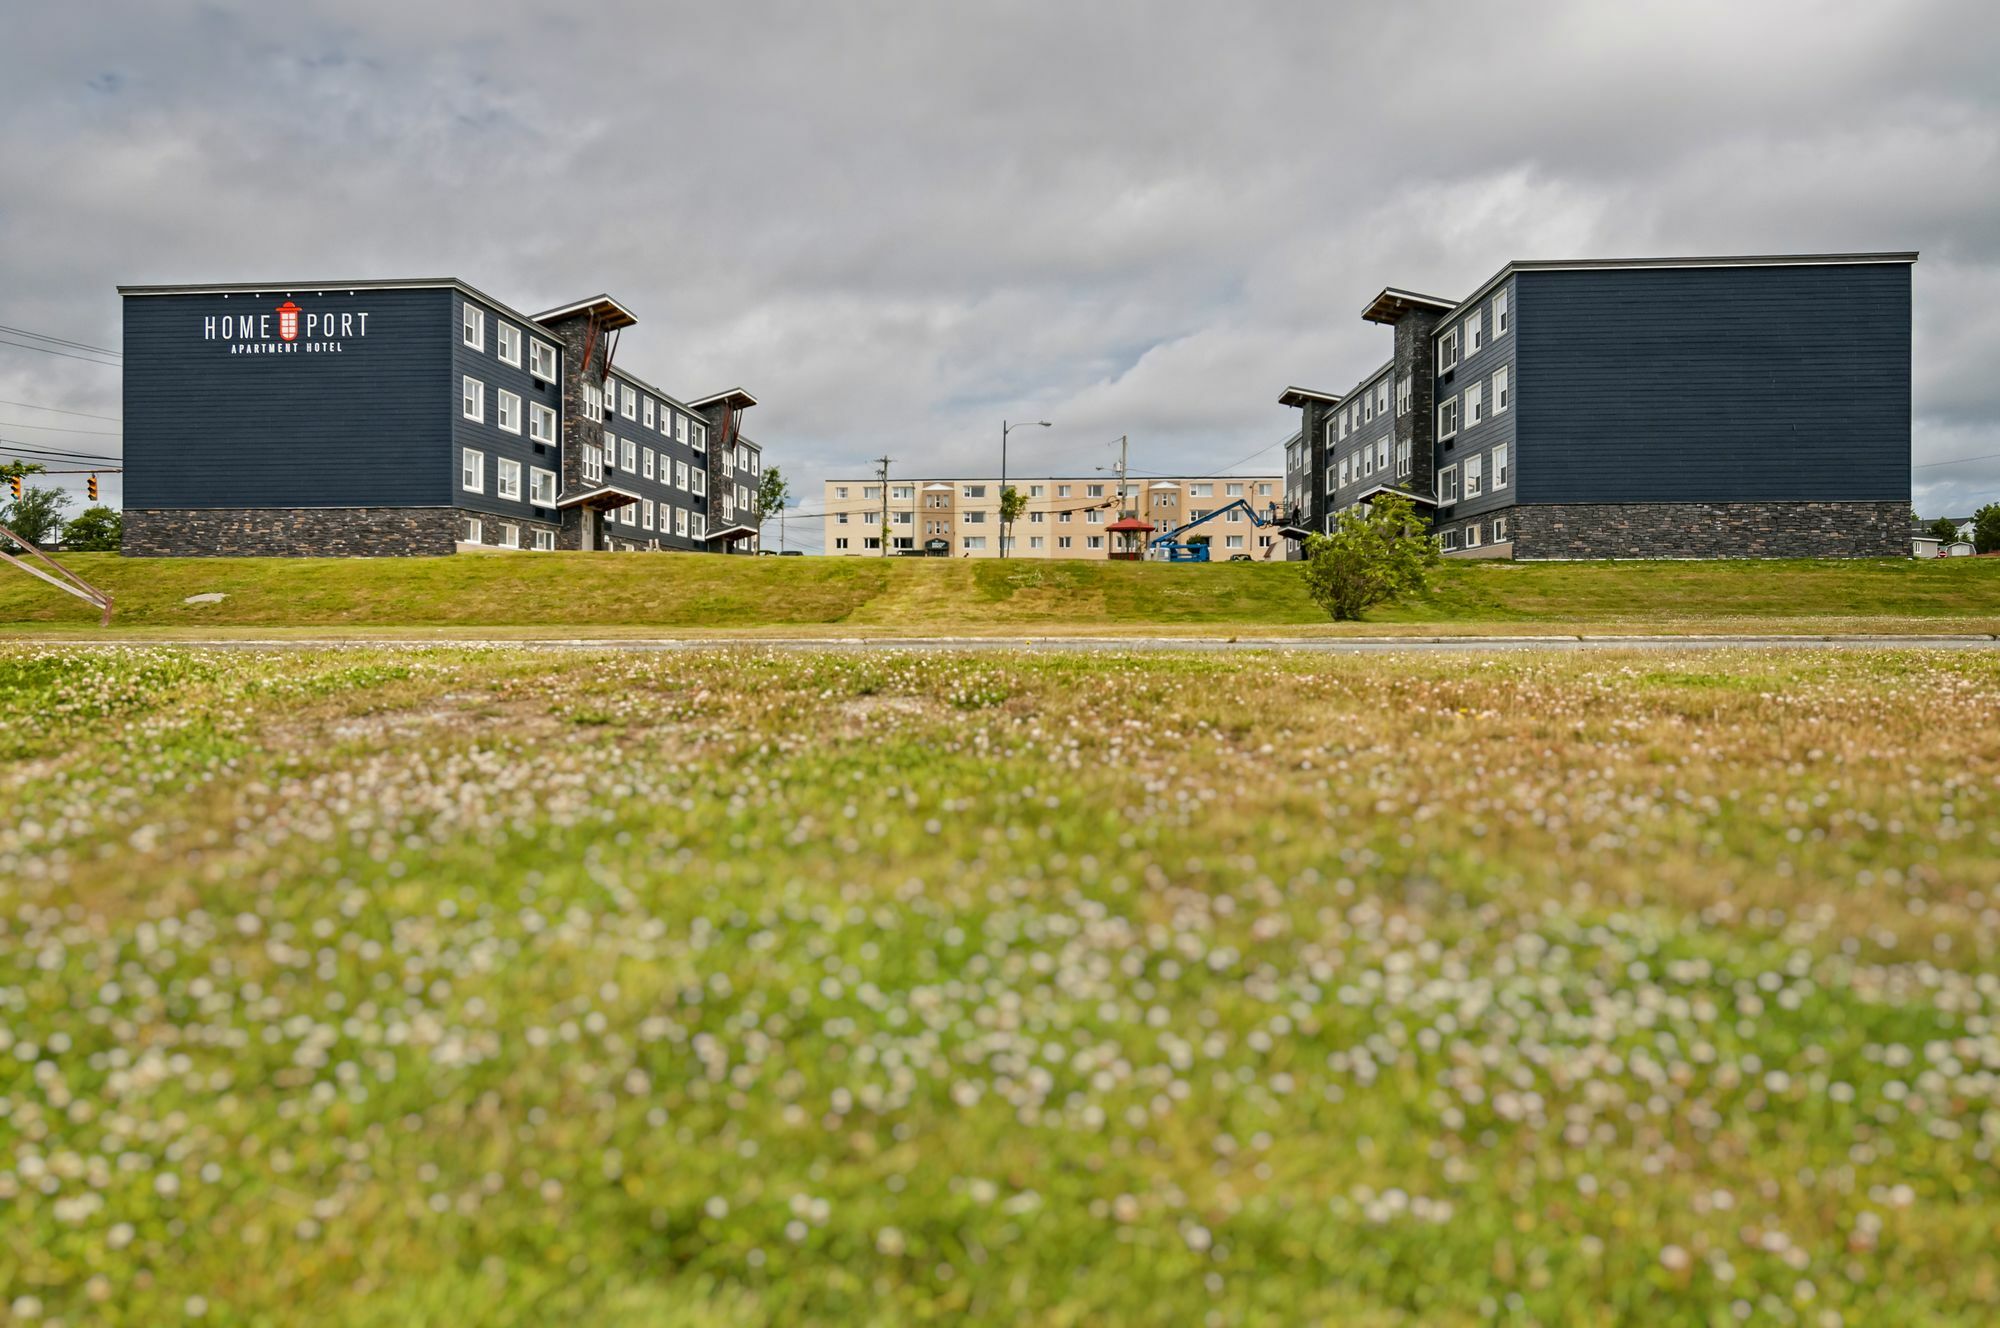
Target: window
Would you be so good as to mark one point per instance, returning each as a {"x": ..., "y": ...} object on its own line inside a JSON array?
[
  {"x": 507, "y": 478},
  {"x": 509, "y": 411},
  {"x": 1264, "y": 491},
  {"x": 974, "y": 542},
  {"x": 1449, "y": 540},
  {"x": 903, "y": 492},
  {"x": 975, "y": 491},
  {"x": 475, "y": 327},
  {"x": 545, "y": 541},
  {"x": 593, "y": 402},
  {"x": 1094, "y": 517},
  {"x": 1475, "y": 476},
  {"x": 1402, "y": 460},
  {"x": 1500, "y": 466},
  {"x": 1368, "y": 461},
  {"x": 697, "y": 436},
  {"x": 697, "y": 526},
  {"x": 1447, "y": 488},
  {"x": 542, "y": 360},
  {"x": 541, "y": 423},
  {"x": 1232, "y": 541},
  {"x": 1036, "y": 541},
  {"x": 1403, "y": 395},
  {"x": 1502, "y": 393},
  {"x": 1500, "y": 323},
  {"x": 508, "y": 338},
  {"x": 648, "y": 413},
  {"x": 1382, "y": 454},
  {"x": 646, "y": 513},
  {"x": 1093, "y": 490},
  {"x": 1201, "y": 491},
  {"x": 628, "y": 454},
  {"x": 681, "y": 523},
  {"x": 541, "y": 486},
  {"x": 681, "y": 475},
  {"x": 1332, "y": 479},
  {"x": 1065, "y": 517},
  {"x": 1346, "y": 470},
  {"x": 1064, "y": 541},
  {"x": 472, "y": 399},
  {"x": 1499, "y": 530},
  {"x": 1368, "y": 408},
  {"x": 611, "y": 451},
  {"x": 1342, "y": 418},
  {"x": 840, "y": 543},
  {"x": 840, "y": 490},
  {"x": 1382, "y": 397},
  {"x": 1448, "y": 351},
  {"x": 973, "y": 518},
  {"x": 472, "y": 470},
  {"x": 593, "y": 463},
  {"x": 1472, "y": 536},
  {"x": 1475, "y": 332},
  {"x": 700, "y": 478},
  {"x": 1062, "y": 490},
  {"x": 510, "y": 535},
  {"x": 475, "y": 531},
  {"x": 1475, "y": 403},
  {"x": 1037, "y": 490},
  {"x": 1095, "y": 541},
  {"x": 681, "y": 428},
  {"x": 1232, "y": 491},
  {"x": 1448, "y": 418}
]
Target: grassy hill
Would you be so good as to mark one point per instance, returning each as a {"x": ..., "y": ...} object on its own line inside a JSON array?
[{"x": 607, "y": 593}]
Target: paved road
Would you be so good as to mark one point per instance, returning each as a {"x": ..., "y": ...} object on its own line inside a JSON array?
[{"x": 1083, "y": 644}]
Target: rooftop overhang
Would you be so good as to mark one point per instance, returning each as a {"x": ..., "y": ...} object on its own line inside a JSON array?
[
  {"x": 601, "y": 499},
  {"x": 1392, "y": 304},
  {"x": 607, "y": 311},
  {"x": 730, "y": 534},
  {"x": 1417, "y": 499},
  {"x": 1305, "y": 396},
  {"x": 735, "y": 398}
]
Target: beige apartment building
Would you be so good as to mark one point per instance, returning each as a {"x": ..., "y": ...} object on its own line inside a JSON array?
[{"x": 1066, "y": 517}]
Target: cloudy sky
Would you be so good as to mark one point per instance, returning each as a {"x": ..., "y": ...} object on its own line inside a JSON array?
[{"x": 897, "y": 224}]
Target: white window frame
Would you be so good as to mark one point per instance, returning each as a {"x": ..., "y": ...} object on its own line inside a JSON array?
[
  {"x": 681, "y": 523},
  {"x": 1403, "y": 457},
  {"x": 507, "y": 342},
  {"x": 628, "y": 455},
  {"x": 1501, "y": 462},
  {"x": 541, "y": 487},
  {"x": 681, "y": 476},
  {"x": 1472, "y": 538},
  {"x": 1447, "y": 486},
  {"x": 628, "y": 401},
  {"x": 545, "y": 541},
  {"x": 680, "y": 428},
  {"x": 1503, "y": 390},
  {"x": 1475, "y": 403},
  {"x": 507, "y": 411},
  {"x": 647, "y": 459},
  {"x": 646, "y": 513},
  {"x": 1472, "y": 475},
  {"x": 1448, "y": 540},
  {"x": 510, "y": 535},
  {"x": 593, "y": 402},
  {"x": 700, "y": 480},
  {"x": 541, "y": 422},
  {"x": 1448, "y": 351},
  {"x": 611, "y": 451},
  {"x": 475, "y": 531},
  {"x": 647, "y": 410},
  {"x": 542, "y": 360},
  {"x": 1475, "y": 331},
  {"x": 1500, "y": 530},
  {"x": 472, "y": 399},
  {"x": 697, "y": 526},
  {"x": 472, "y": 326},
  {"x": 507, "y": 478},
  {"x": 1502, "y": 321},
  {"x": 471, "y": 470},
  {"x": 1448, "y": 418},
  {"x": 593, "y": 463}
]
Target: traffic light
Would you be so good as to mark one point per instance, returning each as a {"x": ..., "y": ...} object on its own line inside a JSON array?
[
  {"x": 91, "y": 486},
  {"x": 15, "y": 480}
]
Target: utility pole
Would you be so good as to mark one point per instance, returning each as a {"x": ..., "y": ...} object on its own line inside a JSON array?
[
  {"x": 883, "y": 463},
  {"x": 1005, "y": 428}
]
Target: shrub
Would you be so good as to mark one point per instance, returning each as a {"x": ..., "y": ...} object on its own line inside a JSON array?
[{"x": 1375, "y": 554}]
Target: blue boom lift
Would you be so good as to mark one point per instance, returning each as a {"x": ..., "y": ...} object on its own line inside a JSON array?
[{"x": 1172, "y": 548}]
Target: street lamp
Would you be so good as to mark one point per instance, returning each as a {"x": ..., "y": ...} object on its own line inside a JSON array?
[{"x": 1005, "y": 429}]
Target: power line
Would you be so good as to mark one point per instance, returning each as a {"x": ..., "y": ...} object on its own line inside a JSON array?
[
  {"x": 50, "y": 428},
  {"x": 58, "y": 410},
  {"x": 18, "y": 448},
  {"x": 1955, "y": 461},
  {"x": 65, "y": 354},
  {"x": 59, "y": 341}
]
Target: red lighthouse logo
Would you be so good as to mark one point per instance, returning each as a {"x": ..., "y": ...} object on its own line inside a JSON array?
[{"x": 288, "y": 321}]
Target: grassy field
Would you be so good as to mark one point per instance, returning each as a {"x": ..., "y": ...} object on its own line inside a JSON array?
[
  {"x": 392, "y": 986},
  {"x": 555, "y": 594}
]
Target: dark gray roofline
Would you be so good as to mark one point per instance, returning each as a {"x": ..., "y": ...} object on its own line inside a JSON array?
[
  {"x": 1599, "y": 264},
  {"x": 288, "y": 288}
]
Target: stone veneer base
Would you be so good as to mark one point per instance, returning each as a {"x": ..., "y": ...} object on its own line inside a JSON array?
[
  {"x": 290, "y": 532},
  {"x": 1710, "y": 530}
]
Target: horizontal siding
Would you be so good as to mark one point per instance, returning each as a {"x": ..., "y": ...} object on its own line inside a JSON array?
[
  {"x": 1479, "y": 439},
  {"x": 1713, "y": 384},
  {"x": 487, "y": 436},
  {"x": 367, "y": 426},
  {"x": 661, "y": 438}
]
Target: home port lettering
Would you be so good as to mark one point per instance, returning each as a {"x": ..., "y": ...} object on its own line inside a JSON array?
[{"x": 286, "y": 330}]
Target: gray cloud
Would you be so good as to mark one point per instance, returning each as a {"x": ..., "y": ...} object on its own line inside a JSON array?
[{"x": 898, "y": 223}]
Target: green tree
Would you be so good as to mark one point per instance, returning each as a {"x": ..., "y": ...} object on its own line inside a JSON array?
[
  {"x": 1375, "y": 554},
  {"x": 773, "y": 492},
  {"x": 1986, "y": 529},
  {"x": 95, "y": 529},
  {"x": 1012, "y": 503},
  {"x": 37, "y": 515},
  {"x": 1944, "y": 529}
]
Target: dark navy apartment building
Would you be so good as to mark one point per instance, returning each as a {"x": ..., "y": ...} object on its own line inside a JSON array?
[
  {"x": 1646, "y": 408},
  {"x": 413, "y": 417}
]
